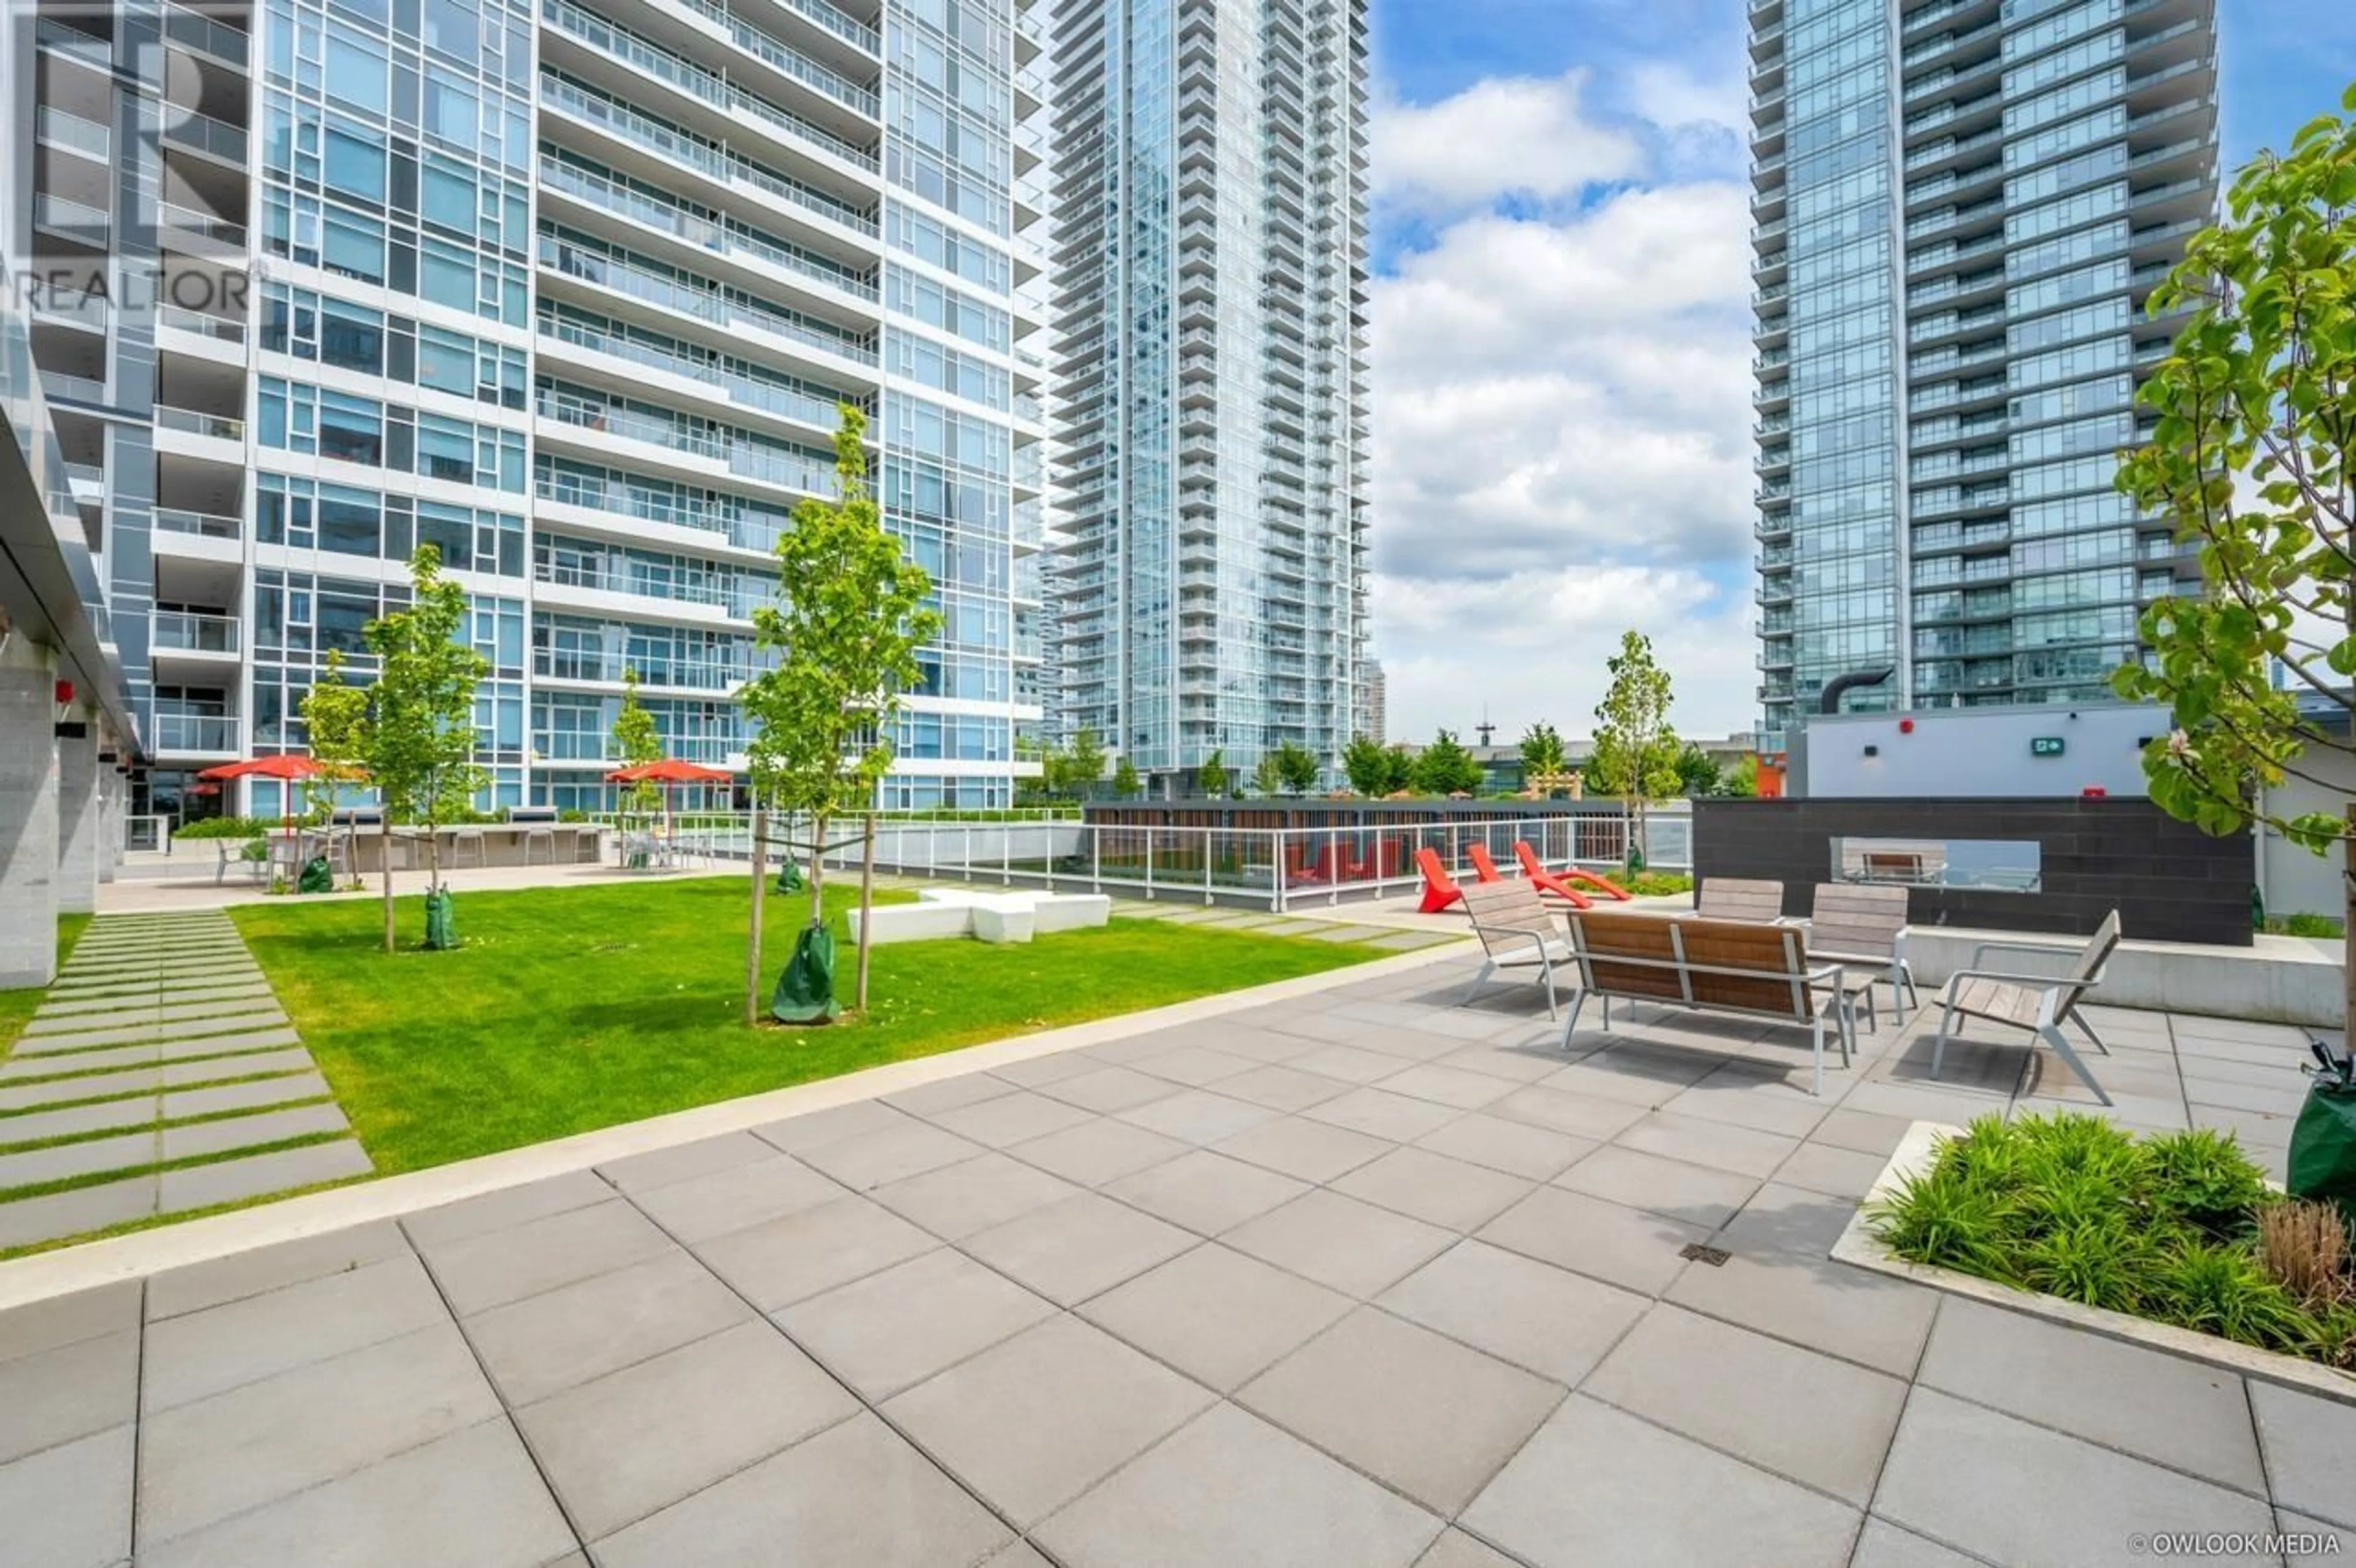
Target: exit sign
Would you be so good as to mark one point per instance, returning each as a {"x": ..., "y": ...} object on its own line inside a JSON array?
[{"x": 2045, "y": 746}]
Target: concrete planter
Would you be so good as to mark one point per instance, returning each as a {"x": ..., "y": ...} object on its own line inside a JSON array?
[{"x": 1860, "y": 1247}]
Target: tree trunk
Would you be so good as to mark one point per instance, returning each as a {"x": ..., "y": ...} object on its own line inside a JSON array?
[
  {"x": 818, "y": 871},
  {"x": 866, "y": 901},
  {"x": 760, "y": 896},
  {"x": 384, "y": 839},
  {"x": 2348, "y": 927}
]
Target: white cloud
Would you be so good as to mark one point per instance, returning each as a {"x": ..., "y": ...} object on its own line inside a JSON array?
[
  {"x": 1532, "y": 646},
  {"x": 1505, "y": 136},
  {"x": 1561, "y": 412}
]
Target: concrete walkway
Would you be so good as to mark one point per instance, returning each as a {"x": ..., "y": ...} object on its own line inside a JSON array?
[
  {"x": 159, "y": 1075},
  {"x": 1361, "y": 1278}
]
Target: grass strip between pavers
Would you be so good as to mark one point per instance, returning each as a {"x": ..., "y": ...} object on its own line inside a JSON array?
[
  {"x": 160, "y": 1123},
  {"x": 190, "y": 1162},
  {"x": 155, "y": 1089},
  {"x": 175, "y": 1028},
  {"x": 32, "y": 1080}
]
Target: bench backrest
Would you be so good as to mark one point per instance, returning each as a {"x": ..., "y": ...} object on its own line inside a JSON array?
[
  {"x": 1740, "y": 898},
  {"x": 1504, "y": 908},
  {"x": 2088, "y": 969},
  {"x": 1739, "y": 965},
  {"x": 1900, "y": 865},
  {"x": 1857, "y": 921}
]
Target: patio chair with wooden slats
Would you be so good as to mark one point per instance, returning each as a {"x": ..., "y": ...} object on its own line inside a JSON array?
[
  {"x": 2039, "y": 1003},
  {"x": 1516, "y": 932},
  {"x": 1863, "y": 928},
  {"x": 1740, "y": 898}
]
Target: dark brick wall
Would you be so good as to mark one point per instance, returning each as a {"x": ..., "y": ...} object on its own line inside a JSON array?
[{"x": 2169, "y": 881}]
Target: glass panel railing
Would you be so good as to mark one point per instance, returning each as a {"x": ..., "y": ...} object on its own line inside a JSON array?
[
  {"x": 218, "y": 137},
  {"x": 219, "y": 426},
  {"x": 727, "y": 238},
  {"x": 203, "y": 524},
  {"x": 193, "y": 732},
  {"x": 702, "y": 303},
  {"x": 190, "y": 632},
  {"x": 61, "y": 129},
  {"x": 741, "y": 388}
]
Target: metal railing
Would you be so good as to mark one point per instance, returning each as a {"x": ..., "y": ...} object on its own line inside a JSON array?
[{"x": 1276, "y": 870}]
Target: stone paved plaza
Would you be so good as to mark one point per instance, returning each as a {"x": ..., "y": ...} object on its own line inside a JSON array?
[{"x": 1360, "y": 1278}]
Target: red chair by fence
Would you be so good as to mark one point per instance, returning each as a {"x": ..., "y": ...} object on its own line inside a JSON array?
[
  {"x": 1536, "y": 871},
  {"x": 1483, "y": 867},
  {"x": 1439, "y": 889}
]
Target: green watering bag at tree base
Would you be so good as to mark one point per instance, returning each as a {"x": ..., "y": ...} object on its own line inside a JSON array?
[
  {"x": 790, "y": 877},
  {"x": 318, "y": 877},
  {"x": 2323, "y": 1146},
  {"x": 805, "y": 992},
  {"x": 441, "y": 928}
]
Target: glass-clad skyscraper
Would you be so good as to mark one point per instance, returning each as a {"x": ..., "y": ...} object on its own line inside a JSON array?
[
  {"x": 1961, "y": 207},
  {"x": 1210, "y": 234},
  {"x": 573, "y": 292}
]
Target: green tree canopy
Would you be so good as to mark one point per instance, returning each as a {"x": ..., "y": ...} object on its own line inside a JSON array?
[
  {"x": 1082, "y": 764},
  {"x": 1635, "y": 751},
  {"x": 2250, "y": 459},
  {"x": 1125, "y": 781},
  {"x": 636, "y": 742},
  {"x": 1211, "y": 778},
  {"x": 1445, "y": 767},
  {"x": 1298, "y": 767},
  {"x": 1697, "y": 774},
  {"x": 1367, "y": 766},
  {"x": 1267, "y": 778},
  {"x": 853, "y": 611},
  {"x": 1542, "y": 753}
]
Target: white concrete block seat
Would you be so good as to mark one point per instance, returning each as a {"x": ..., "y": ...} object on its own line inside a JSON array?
[{"x": 1014, "y": 915}]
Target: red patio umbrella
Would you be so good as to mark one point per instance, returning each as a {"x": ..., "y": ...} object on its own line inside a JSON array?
[
  {"x": 668, "y": 771},
  {"x": 285, "y": 766}
]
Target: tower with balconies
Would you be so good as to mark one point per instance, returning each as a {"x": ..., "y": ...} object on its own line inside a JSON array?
[
  {"x": 573, "y": 293},
  {"x": 1210, "y": 245},
  {"x": 1961, "y": 207}
]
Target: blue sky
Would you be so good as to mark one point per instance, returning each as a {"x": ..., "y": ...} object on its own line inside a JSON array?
[{"x": 1561, "y": 338}]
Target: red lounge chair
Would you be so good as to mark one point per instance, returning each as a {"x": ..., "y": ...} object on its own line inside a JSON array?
[
  {"x": 1483, "y": 867},
  {"x": 1536, "y": 871},
  {"x": 1439, "y": 889}
]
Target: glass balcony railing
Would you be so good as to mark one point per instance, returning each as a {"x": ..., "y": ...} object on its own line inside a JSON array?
[
  {"x": 194, "y": 733},
  {"x": 221, "y": 427},
  {"x": 203, "y": 524},
  {"x": 750, "y": 390},
  {"x": 191, "y": 632},
  {"x": 702, "y": 303},
  {"x": 720, "y": 239}
]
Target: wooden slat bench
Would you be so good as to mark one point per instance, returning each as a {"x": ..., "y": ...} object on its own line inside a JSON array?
[{"x": 1740, "y": 967}]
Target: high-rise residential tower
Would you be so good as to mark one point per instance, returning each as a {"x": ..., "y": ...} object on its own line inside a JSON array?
[
  {"x": 1210, "y": 247},
  {"x": 572, "y": 292},
  {"x": 1960, "y": 208}
]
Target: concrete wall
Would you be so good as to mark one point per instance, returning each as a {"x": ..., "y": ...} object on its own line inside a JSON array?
[
  {"x": 2169, "y": 881},
  {"x": 2298, "y": 881},
  {"x": 1977, "y": 753}
]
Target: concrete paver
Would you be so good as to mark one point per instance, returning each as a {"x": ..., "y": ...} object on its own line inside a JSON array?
[{"x": 1459, "y": 1335}]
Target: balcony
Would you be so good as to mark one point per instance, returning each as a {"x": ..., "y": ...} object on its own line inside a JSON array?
[
  {"x": 203, "y": 134},
  {"x": 192, "y": 422},
  {"x": 187, "y": 631},
  {"x": 196, "y": 734},
  {"x": 200, "y": 525}
]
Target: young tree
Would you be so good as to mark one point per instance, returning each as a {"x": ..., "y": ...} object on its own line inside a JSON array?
[
  {"x": 2252, "y": 461},
  {"x": 417, "y": 737},
  {"x": 1298, "y": 767},
  {"x": 335, "y": 721},
  {"x": 1697, "y": 774},
  {"x": 1445, "y": 767},
  {"x": 1211, "y": 778},
  {"x": 1367, "y": 766},
  {"x": 1542, "y": 755},
  {"x": 1398, "y": 768},
  {"x": 636, "y": 742},
  {"x": 1635, "y": 751},
  {"x": 1269, "y": 777},
  {"x": 1742, "y": 780},
  {"x": 1083, "y": 765},
  {"x": 1125, "y": 781},
  {"x": 852, "y": 613}
]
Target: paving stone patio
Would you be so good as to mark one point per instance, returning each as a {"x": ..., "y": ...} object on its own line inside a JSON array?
[
  {"x": 1357, "y": 1279},
  {"x": 155, "y": 1022}
]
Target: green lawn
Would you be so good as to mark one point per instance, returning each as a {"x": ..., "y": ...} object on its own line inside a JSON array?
[
  {"x": 16, "y": 1006},
  {"x": 570, "y": 1008}
]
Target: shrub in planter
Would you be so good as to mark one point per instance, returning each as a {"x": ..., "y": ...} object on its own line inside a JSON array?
[{"x": 2179, "y": 1228}]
